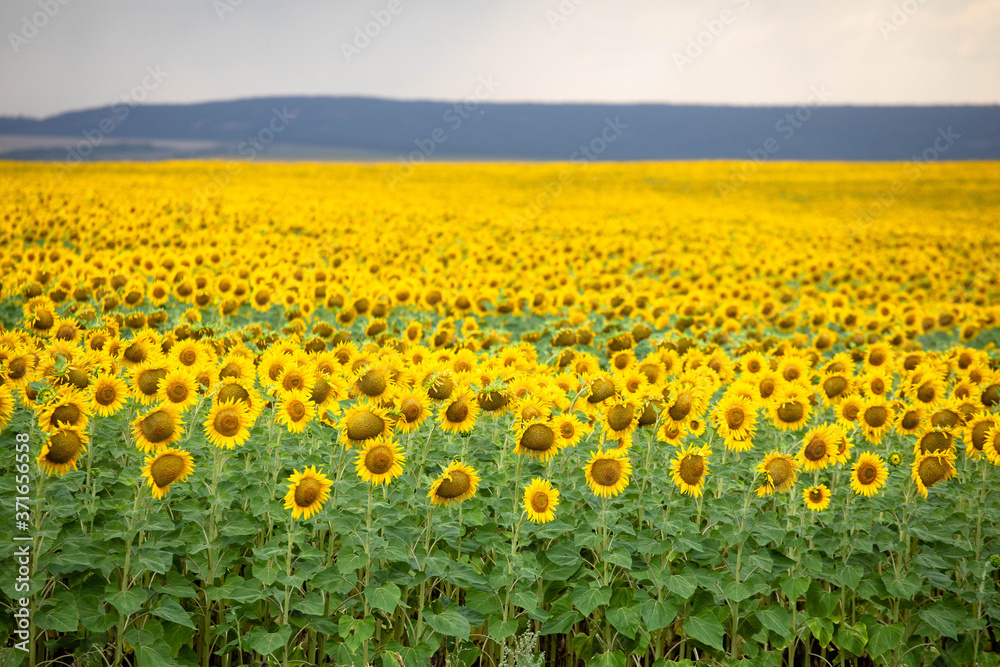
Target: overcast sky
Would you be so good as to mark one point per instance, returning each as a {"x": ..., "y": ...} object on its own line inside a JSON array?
[{"x": 87, "y": 53}]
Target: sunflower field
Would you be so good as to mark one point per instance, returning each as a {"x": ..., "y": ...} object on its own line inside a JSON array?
[{"x": 489, "y": 415}]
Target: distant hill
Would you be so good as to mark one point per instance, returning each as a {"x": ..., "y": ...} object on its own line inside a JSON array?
[{"x": 378, "y": 129}]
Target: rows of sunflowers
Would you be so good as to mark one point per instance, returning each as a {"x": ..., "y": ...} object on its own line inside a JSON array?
[{"x": 319, "y": 417}]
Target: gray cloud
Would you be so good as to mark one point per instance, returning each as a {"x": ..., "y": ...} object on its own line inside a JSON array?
[{"x": 87, "y": 53}]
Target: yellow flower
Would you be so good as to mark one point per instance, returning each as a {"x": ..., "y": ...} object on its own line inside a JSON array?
[
  {"x": 817, "y": 498},
  {"x": 869, "y": 474},
  {"x": 929, "y": 469},
  {"x": 689, "y": 469},
  {"x": 540, "y": 500},
  {"x": 61, "y": 451},
  {"x": 780, "y": 473},
  {"x": 228, "y": 424},
  {"x": 307, "y": 491},
  {"x": 608, "y": 472},
  {"x": 380, "y": 461},
  {"x": 158, "y": 428},
  {"x": 456, "y": 484},
  {"x": 166, "y": 467},
  {"x": 296, "y": 410}
]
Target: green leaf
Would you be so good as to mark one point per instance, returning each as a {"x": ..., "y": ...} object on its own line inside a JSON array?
[
  {"x": 902, "y": 588},
  {"x": 175, "y": 585},
  {"x": 778, "y": 620},
  {"x": 850, "y": 576},
  {"x": 385, "y": 597},
  {"x": 153, "y": 560},
  {"x": 620, "y": 557},
  {"x": 794, "y": 588},
  {"x": 154, "y": 655},
  {"x": 151, "y": 649},
  {"x": 560, "y": 624},
  {"x": 683, "y": 584},
  {"x": 625, "y": 620},
  {"x": 942, "y": 619},
  {"x": 59, "y": 613},
  {"x": 450, "y": 623},
  {"x": 126, "y": 602},
  {"x": 821, "y": 629},
  {"x": 501, "y": 629},
  {"x": 609, "y": 659},
  {"x": 170, "y": 610},
  {"x": 587, "y": 598},
  {"x": 266, "y": 643},
  {"x": 884, "y": 638},
  {"x": 852, "y": 639},
  {"x": 658, "y": 614},
  {"x": 737, "y": 591},
  {"x": 705, "y": 627}
]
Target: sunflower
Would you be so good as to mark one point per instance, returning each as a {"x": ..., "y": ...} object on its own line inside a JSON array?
[
  {"x": 929, "y": 469},
  {"x": 689, "y": 469},
  {"x": 413, "y": 406},
  {"x": 683, "y": 403},
  {"x": 975, "y": 434},
  {"x": 178, "y": 387},
  {"x": 875, "y": 418},
  {"x": 933, "y": 440},
  {"x": 621, "y": 416},
  {"x": 869, "y": 474},
  {"x": 108, "y": 394},
  {"x": 6, "y": 405},
  {"x": 909, "y": 418},
  {"x": 608, "y": 472},
  {"x": 307, "y": 491},
  {"x": 834, "y": 388},
  {"x": 538, "y": 439},
  {"x": 62, "y": 450},
  {"x": 458, "y": 414},
  {"x": 379, "y": 461},
  {"x": 531, "y": 408},
  {"x": 780, "y": 472},
  {"x": 295, "y": 410},
  {"x": 158, "y": 428},
  {"x": 753, "y": 363},
  {"x": 239, "y": 390},
  {"x": 67, "y": 409},
  {"x": 363, "y": 421},
  {"x": 568, "y": 428},
  {"x": 735, "y": 419},
  {"x": 457, "y": 483},
  {"x": 228, "y": 424},
  {"x": 817, "y": 498},
  {"x": 494, "y": 400},
  {"x": 790, "y": 408},
  {"x": 849, "y": 411},
  {"x": 18, "y": 368},
  {"x": 375, "y": 381},
  {"x": 192, "y": 354},
  {"x": 819, "y": 447},
  {"x": 146, "y": 378},
  {"x": 991, "y": 445},
  {"x": 166, "y": 467},
  {"x": 876, "y": 382},
  {"x": 540, "y": 500}
]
